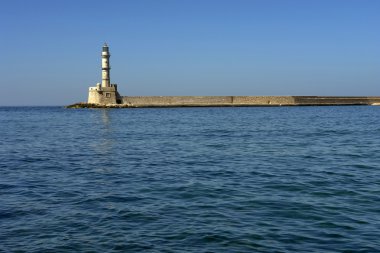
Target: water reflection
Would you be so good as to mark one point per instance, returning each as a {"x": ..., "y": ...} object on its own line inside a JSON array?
[
  {"x": 105, "y": 139},
  {"x": 106, "y": 118}
]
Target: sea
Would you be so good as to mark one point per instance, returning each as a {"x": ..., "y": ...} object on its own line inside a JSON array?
[{"x": 253, "y": 179}]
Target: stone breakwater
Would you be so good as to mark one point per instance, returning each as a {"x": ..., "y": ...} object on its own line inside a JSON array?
[{"x": 215, "y": 101}]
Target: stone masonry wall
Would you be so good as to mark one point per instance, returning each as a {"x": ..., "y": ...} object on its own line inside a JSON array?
[
  {"x": 315, "y": 100},
  {"x": 178, "y": 101},
  {"x": 263, "y": 100},
  {"x": 107, "y": 95},
  {"x": 168, "y": 101},
  {"x": 208, "y": 100}
]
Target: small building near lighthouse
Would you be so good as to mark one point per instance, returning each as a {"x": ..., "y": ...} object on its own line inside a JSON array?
[{"x": 105, "y": 92}]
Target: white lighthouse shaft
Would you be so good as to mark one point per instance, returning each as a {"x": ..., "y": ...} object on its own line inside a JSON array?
[{"x": 106, "y": 67}]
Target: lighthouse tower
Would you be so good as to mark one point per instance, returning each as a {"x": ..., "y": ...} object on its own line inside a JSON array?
[
  {"x": 106, "y": 66},
  {"x": 104, "y": 93}
]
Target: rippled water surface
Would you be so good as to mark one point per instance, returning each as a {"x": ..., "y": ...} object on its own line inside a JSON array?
[{"x": 259, "y": 179}]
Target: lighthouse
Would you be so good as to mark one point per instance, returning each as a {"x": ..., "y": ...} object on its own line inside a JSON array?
[
  {"x": 106, "y": 66},
  {"x": 104, "y": 93}
]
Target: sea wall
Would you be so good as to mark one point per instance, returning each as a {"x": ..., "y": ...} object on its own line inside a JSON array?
[
  {"x": 179, "y": 101},
  {"x": 262, "y": 100},
  {"x": 316, "y": 100},
  {"x": 204, "y": 101},
  {"x": 151, "y": 101}
]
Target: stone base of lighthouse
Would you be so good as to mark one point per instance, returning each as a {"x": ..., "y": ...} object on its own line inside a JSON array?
[{"x": 104, "y": 95}]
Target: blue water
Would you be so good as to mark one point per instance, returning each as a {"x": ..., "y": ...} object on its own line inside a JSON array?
[{"x": 259, "y": 179}]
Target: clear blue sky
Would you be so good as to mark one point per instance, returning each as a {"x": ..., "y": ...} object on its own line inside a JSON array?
[{"x": 51, "y": 49}]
